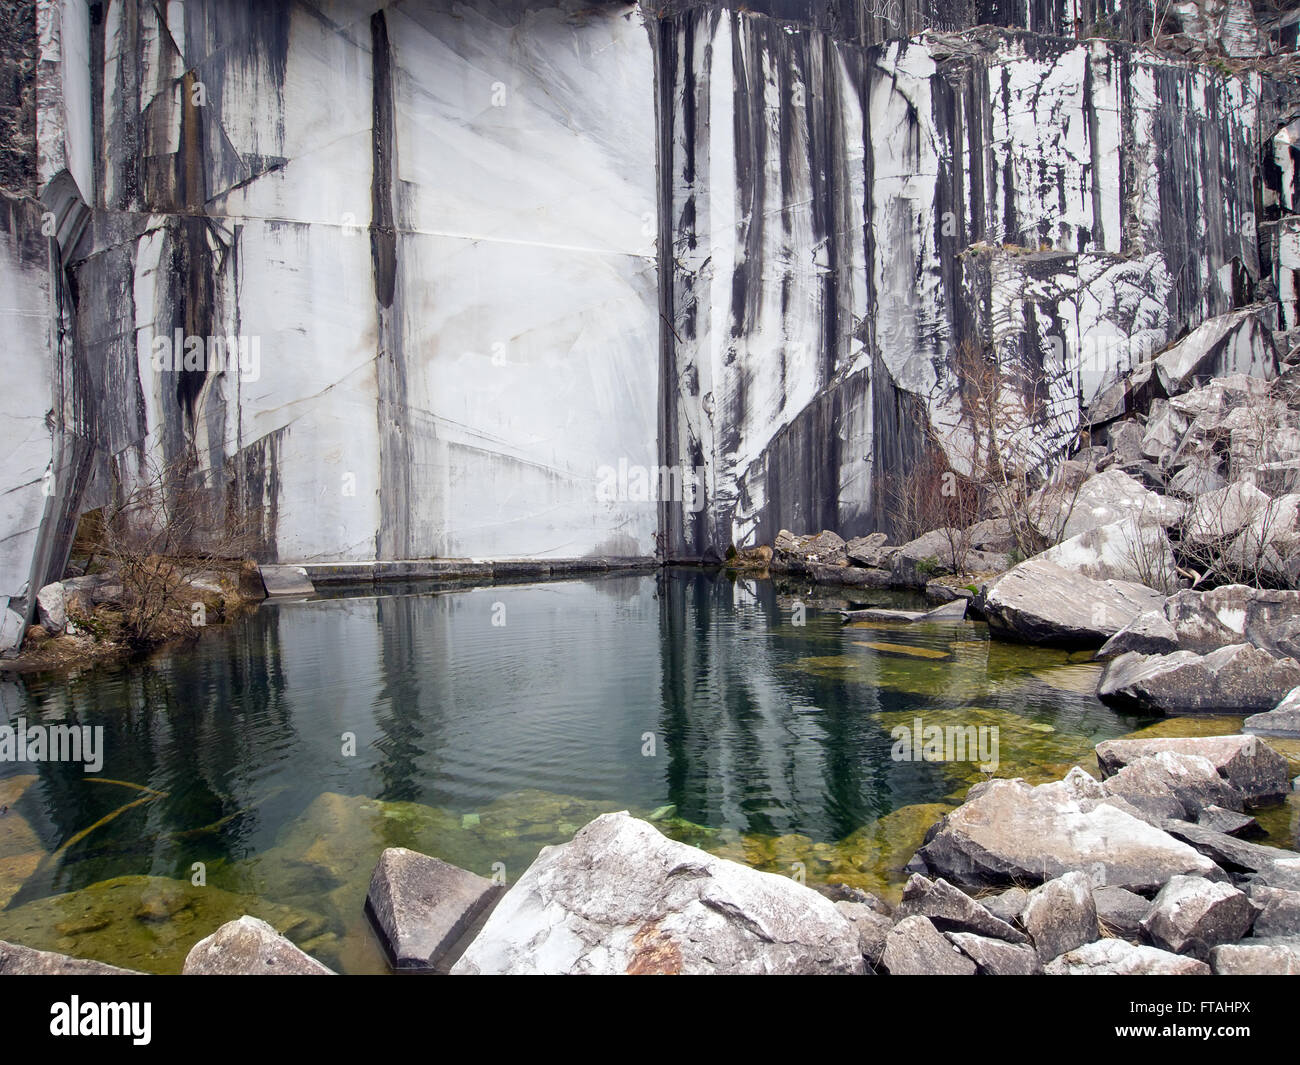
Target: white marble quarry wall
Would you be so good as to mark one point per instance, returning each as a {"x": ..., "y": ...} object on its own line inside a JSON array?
[
  {"x": 844, "y": 219},
  {"x": 433, "y": 222}
]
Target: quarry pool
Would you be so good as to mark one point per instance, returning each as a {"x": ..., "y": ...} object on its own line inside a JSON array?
[{"x": 263, "y": 769}]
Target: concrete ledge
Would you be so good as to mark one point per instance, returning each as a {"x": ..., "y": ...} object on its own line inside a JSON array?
[{"x": 416, "y": 569}]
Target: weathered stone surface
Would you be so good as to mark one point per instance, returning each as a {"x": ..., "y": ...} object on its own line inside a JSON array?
[
  {"x": 1133, "y": 550},
  {"x": 1234, "y": 679},
  {"x": 1257, "y": 958},
  {"x": 1252, "y": 767},
  {"x": 422, "y": 906},
  {"x": 996, "y": 957},
  {"x": 870, "y": 551},
  {"x": 51, "y": 608},
  {"x": 286, "y": 580},
  {"x": 1116, "y": 957},
  {"x": 952, "y": 910},
  {"x": 872, "y": 926},
  {"x": 622, "y": 898},
  {"x": 1006, "y": 905},
  {"x": 1008, "y": 832},
  {"x": 1172, "y": 784},
  {"x": 798, "y": 552},
  {"x": 1192, "y": 915},
  {"x": 1279, "y": 911},
  {"x": 16, "y": 960},
  {"x": 1231, "y": 614},
  {"x": 1041, "y": 602},
  {"x": 1227, "y": 851},
  {"x": 1106, "y": 498},
  {"x": 1233, "y": 343},
  {"x": 914, "y": 947},
  {"x": 249, "y": 947},
  {"x": 1120, "y": 911},
  {"x": 1229, "y": 822},
  {"x": 1282, "y": 720},
  {"x": 1061, "y": 915},
  {"x": 1218, "y": 517},
  {"x": 1150, "y": 633}
]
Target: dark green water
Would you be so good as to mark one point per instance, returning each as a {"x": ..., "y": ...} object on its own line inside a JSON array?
[{"x": 481, "y": 743}]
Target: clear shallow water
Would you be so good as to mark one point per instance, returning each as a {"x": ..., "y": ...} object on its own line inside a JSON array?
[{"x": 681, "y": 693}]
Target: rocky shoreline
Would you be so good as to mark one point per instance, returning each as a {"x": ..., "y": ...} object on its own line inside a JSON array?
[{"x": 1144, "y": 869}]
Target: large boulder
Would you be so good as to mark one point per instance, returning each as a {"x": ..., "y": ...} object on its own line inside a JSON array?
[
  {"x": 1061, "y": 915},
  {"x": 797, "y": 553},
  {"x": 1041, "y": 602},
  {"x": 1149, "y": 633},
  {"x": 1172, "y": 784},
  {"x": 1252, "y": 767},
  {"x": 1234, "y": 343},
  {"x": 249, "y": 947},
  {"x": 622, "y": 898},
  {"x": 1009, "y": 832},
  {"x": 24, "y": 961},
  {"x": 1257, "y": 958},
  {"x": 51, "y": 608},
  {"x": 1238, "y": 678},
  {"x": 1282, "y": 720},
  {"x": 1126, "y": 550},
  {"x": 1279, "y": 911},
  {"x": 1235, "y": 855},
  {"x": 996, "y": 957},
  {"x": 1103, "y": 499},
  {"x": 1192, "y": 915},
  {"x": 1217, "y": 518},
  {"x": 1233, "y": 613},
  {"x": 1116, "y": 957},
  {"x": 914, "y": 947},
  {"x": 421, "y": 907},
  {"x": 931, "y": 555},
  {"x": 871, "y": 551},
  {"x": 952, "y": 910}
]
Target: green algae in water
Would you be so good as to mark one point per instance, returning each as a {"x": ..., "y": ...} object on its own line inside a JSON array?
[{"x": 482, "y": 753}]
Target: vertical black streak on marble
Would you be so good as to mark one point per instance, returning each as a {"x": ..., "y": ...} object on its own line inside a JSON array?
[{"x": 393, "y": 539}]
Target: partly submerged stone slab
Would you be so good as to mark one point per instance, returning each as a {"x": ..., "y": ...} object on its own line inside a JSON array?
[
  {"x": 248, "y": 946},
  {"x": 421, "y": 907},
  {"x": 16, "y": 960},
  {"x": 1238, "y": 678},
  {"x": 1041, "y": 602},
  {"x": 286, "y": 580},
  {"x": 1282, "y": 720},
  {"x": 1251, "y": 766},
  {"x": 622, "y": 898}
]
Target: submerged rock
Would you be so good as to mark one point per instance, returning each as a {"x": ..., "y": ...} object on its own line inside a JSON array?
[
  {"x": 249, "y": 947},
  {"x": 621, "y": 898},
  {"x": 422, "y": 906},
  {"x": 143, "y": 922}
]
